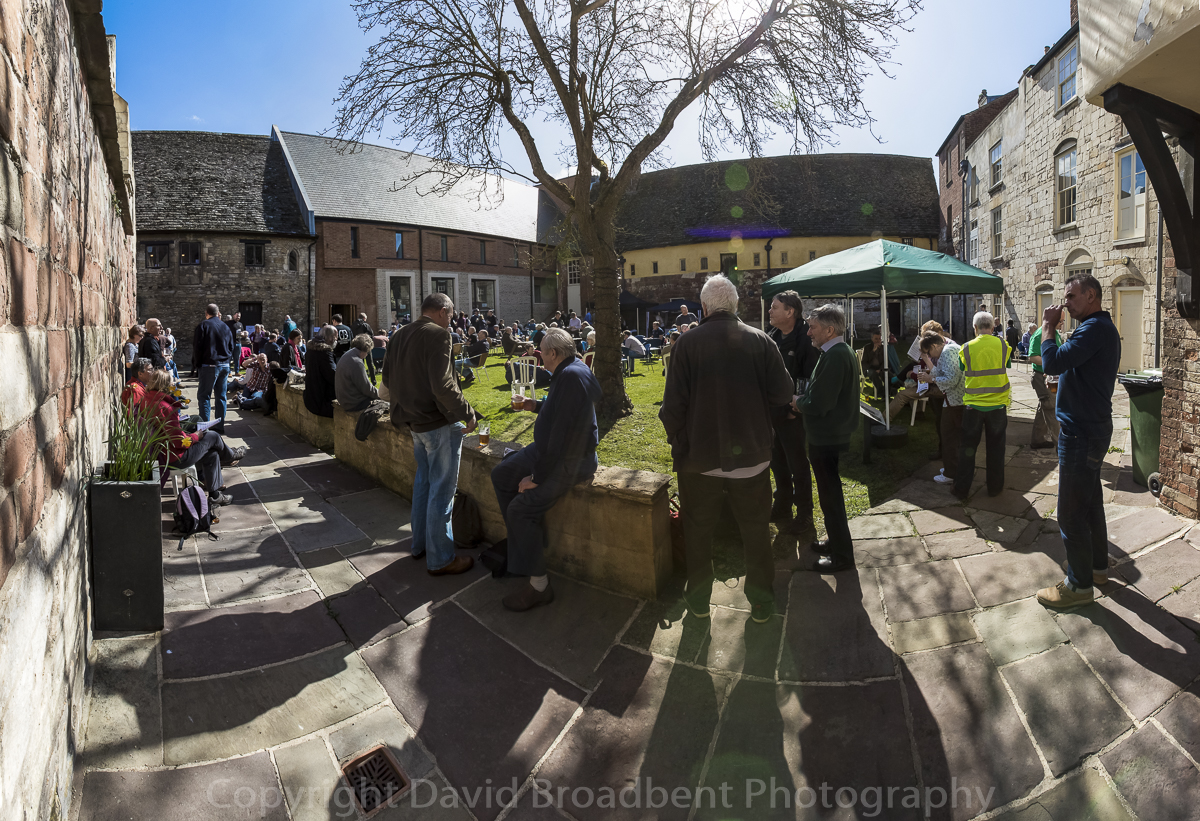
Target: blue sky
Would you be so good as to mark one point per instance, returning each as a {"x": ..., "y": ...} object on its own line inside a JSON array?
[{"x": 238, "y": 67}]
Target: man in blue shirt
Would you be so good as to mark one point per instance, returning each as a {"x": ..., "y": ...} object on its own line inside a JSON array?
[{"x": 1086, "y": 365}]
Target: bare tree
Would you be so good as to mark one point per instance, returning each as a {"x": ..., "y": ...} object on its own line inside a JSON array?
[{"x": 449, "y": 76}]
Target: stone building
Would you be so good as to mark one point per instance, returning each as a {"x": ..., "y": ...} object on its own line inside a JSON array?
[
  {"x": 1141, "y": 62},
  {"x": 66, "y": 244},
  {"x": 382, "y": 245},
  {"x": 218, "y": 221},
  {"x": 1054, "y": 188},
  {"x": 756, "y": 218}
]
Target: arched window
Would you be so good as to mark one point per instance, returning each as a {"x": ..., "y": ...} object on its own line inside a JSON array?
[
  {"x": 293, "y": 261},
  {"x": 1079, "y": 261}
]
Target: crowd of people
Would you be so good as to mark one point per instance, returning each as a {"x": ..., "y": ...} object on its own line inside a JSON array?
[{"x": 739, "y": 407}]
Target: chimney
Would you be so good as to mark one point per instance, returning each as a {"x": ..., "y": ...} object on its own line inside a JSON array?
[
  {"x": 1074, "y": 12},
  {"x": 983, "y": 98},
  {"x": 1045, "y": 49}
]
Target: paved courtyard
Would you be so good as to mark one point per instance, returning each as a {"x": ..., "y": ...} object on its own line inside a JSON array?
[{"x": 927, "y": 682}]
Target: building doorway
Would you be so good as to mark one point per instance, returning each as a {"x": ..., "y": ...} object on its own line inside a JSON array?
[
  {"x": 400, "y": 299},
  {"x": 729, "y": 266},
  {"x": 574, "y": 286},
  {"x": 1129, "y": 327},
  {"x": 251, "y": 313},
  {"x": 349, "y": 312}
]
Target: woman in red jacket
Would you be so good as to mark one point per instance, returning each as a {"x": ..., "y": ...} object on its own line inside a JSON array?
[{"x": 207, "y": 451}]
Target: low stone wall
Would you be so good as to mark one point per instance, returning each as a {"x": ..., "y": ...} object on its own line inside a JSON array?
[
  {"x": 316, "y": 430},
  {"x": 612, "y": 532}
]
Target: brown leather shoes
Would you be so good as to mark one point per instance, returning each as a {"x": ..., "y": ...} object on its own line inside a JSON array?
[
  {"x": 527, "y": 598},
  {"x": 459, "y": 564}
]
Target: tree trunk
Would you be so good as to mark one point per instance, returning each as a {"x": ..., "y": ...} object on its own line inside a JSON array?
[{"x": 597, "y": 237}]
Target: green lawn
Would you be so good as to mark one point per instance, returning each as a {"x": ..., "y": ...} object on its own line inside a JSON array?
[{"x": 638, "y": 441}]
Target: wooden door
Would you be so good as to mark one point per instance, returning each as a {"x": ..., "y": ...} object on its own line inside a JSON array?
[{"x": 1129, "y": 326}]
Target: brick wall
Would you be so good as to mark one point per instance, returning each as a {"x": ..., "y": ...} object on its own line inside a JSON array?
[
  {"x": 1178, "y": 461},
  {"x": 177, "y": 294},
  {"x": 950, "y": 197},
  {"x": 66, "y": 289}
]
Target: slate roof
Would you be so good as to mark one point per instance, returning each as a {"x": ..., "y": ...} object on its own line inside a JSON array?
[
  {"x": 355, "y": 185},
  {"x": 810, "y": 195},
  {"x": 975, "y": 121},
  {"x": 202, "y": 181}
]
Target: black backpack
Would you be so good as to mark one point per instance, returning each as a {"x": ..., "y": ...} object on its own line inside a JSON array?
[
  {"x": 193, "y": 513},
  {"x": 465, "y": 521}
]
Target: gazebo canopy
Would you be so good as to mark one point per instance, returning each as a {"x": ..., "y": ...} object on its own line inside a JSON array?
[
  {"x": 628, "y": 299},
  {"x": 676, "y": 305},
  {"x": 865, "y": 270}
]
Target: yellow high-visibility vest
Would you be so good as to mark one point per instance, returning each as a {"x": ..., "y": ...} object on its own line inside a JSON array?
[{"x": 984, "y": 359}]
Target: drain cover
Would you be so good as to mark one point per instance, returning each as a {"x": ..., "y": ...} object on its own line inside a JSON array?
[{"x": 375, "y": 779}]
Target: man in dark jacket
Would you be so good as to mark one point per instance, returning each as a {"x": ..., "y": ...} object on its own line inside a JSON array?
[
  {"x": 293, "y": 359},
  {"x": 419, "y": 375},
  {"x": 725, "y": 383},
  {"x": 830, "y": 408},
  {"x": 1086, "y": 366},
  {"x": 212, "y": 348},
  {"x": 319, "y": 374},
  {"x": 530, "y": 482},
  {"x": 344, "y": 335},
  {"x": 789, "y": 460},
  {"x": 151, "y": 346},
  {"x": 274, "y": 348}
]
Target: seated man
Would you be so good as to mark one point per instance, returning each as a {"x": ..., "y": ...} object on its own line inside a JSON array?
[
  {"x": 354, "y": 391},
  {"x": 529, "y": 482},
  {"x": 656, "y": 331},
  {"x": 135, "y": 389},
  {"x": 253, "y": 384},
  {"x": 472, "y": 355},
  {"x": 633, "y": 349}
]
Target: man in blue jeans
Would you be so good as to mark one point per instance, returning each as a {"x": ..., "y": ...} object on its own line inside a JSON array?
[
  {"x": 212, "y": 348},
  {"x": 425, "y": 398},
  {"x": 1086, "y": 365}
]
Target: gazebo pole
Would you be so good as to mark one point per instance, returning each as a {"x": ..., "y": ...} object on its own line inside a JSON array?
[
  {"x": 762, "y": 312},
  {"x": 851, "y": 326},
  {"x": 887, "y": 379}
]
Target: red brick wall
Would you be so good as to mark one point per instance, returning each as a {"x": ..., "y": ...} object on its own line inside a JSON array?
[{"x": 949, "y": 194}]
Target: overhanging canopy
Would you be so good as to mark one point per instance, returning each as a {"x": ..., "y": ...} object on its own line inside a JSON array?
[
  {"x": 676, "y": 304},
  {"x": 902, "y": 270}
]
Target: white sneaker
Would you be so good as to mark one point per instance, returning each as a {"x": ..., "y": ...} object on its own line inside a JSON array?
[{"x": 943, "y": 480}]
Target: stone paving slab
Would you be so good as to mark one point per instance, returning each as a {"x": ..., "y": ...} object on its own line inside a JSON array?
[
  {"x": 836, "y": 629},
  {"x": 887, "y": 526},
  {"x": 806, "y": 737},
  {"x": 926, "y": 495},
  {"x": 236, "y": 484},
  {"x": 997, "y": 527},
  {"x": 331, "y": 571},
  {"x": 737, "y": 644},
  {"x": 940, "y": 520},
  {"x": 648, "y": 719},
  {"x": 260, "y": 457},
  {"x": 936, "y": 631},
  {"x": 231, "y": 639},
  {"x": 406, "y": 584},
  {"x": 364, "y": 616},
  {"x": 207, "y": 719},
  {"x": 183, "y": 583},
  {"x": 996, "y": 578},
  {"x": 1017, "y": 630},
  {"x": 953, "y": 692},
  {"x": 663, "y": 628},
  {"x": 309, "y": 522},
  {"x": 891, "y": 506},
  {"x": 313, "y": 786},
  {"x": 243, "y": 515},
  {"x": 481, "y": 707},
  {"x": 536, "y": 807},
  {"x": 275, "y": 482},
  {"x": 923, "y": 590},
  {"x": 332, "y": 478},
  {"x": 1008, "y": 502},
  {"x": 1084, "y": 796},
  {"x": 249, "y": 564},
  {"x": 203, "y": 793},
  {"x": 1140, "y": 529},
  {"x": 732, "y": 592},
  {"x": 1068, "y": 709},
  {"x": 1140, "y": 651},
  {"x": 383, "y": 726},
  {"x": 956, "y": 543},
  {"x": 1156, "y": 779},
  {"x": 888, "y": 552},
  {"x": 298, "y": 454},
  {"x": 429, "y": 800},
  {"x": 570, "y": 636},
  {"x": 381, "y": 515},
  {"x": 124, "y": 718},
  {"x": 1181, "y": 718},
  {"x": 1185, "y": 606},
  {"x": 1163, "y": 570}
]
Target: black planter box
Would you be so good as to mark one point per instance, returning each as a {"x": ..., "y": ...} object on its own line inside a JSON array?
[{"x": 127, "y": 581}]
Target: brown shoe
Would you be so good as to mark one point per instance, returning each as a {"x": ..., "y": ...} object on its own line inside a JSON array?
[
  {"x": 527, "y": 598},
  {"x": 459, "y": 564},
  {"x": 1061, "y": 597},
  {"x": 1098, "y": 576}
]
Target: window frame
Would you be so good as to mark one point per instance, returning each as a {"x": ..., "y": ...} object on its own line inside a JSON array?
[
  {"x": 996, "y": 158},
  {"x": 189, "y": 243},
  {"x": 1072, "y": 51},
  {"x": 654, "y": 267},
  {"x": 783, "y": 257},
  {"x": 974, "y": 186},
  {"x": 1067, "y": 148},
  {"x": 575, "y": 271},
  {"x": 812, "y": 255},
  {"x": 1133, "y": 234},
  {"x": 293, "y": 261},
  {"x": 973, "y": 243},
  {"x": 354, "y": 246},
  {"x": 757, "y": 259},
  {"x": 163, "y": 248},
  {"x": 483, "y": 252},
  {"x": 249, "y": 255},
  {"x": 399, "y": 244},
  {"x": 683, "y": 264},
  {"x": 703, "y": 263},
  {"x": 998, "y": 232},
  {"x": 445, "y": 247}
]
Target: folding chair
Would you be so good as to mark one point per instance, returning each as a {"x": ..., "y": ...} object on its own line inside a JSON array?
[
  {"x": 864, "y": 382},
  {"x": 524, "y": 371}
]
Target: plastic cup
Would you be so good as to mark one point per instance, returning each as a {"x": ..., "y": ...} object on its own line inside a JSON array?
[{"x": 485, "y": 435}]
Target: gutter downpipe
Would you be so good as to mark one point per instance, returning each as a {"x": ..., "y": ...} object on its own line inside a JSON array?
[
  {"x": 1158, "y": 295},
  {"x": 420, "y": 270},
  {"x": 312, "y": 274}
]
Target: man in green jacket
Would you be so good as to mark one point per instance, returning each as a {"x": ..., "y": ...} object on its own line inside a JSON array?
[{"x": 830, "y": 408}]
